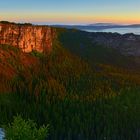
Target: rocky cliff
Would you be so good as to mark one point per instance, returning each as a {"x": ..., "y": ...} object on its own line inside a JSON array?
[{"x": 27, "y": 37}]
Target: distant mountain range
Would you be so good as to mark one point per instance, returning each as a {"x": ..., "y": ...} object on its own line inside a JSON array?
[{"x": 98, "y": 26}]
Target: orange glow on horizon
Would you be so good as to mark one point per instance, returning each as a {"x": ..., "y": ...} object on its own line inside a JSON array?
[{"x": 71, "y": 18}]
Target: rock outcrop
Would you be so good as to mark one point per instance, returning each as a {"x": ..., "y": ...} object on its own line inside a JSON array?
[
  {"x": 1, "y": 134},
  {"x": 27, "y": 37}
]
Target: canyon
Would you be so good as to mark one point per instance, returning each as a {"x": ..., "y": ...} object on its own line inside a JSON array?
[
  {"x": 27, "y": 37},
  {"x": 95, "y": 76}
]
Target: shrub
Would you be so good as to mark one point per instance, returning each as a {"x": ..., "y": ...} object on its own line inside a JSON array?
[{"x": 20, "y": 129}]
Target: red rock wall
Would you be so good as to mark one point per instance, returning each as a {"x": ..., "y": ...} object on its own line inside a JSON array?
[{"x": 27, "y": 37}]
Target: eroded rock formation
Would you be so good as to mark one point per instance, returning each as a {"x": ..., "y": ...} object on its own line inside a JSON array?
[{"x": 27, "y": 37}]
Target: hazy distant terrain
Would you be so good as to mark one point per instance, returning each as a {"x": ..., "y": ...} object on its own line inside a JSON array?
[{"x": 105, "y": 27}]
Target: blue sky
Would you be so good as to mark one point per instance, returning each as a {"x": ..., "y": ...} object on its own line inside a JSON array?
[{"x": 70, "y": 12}]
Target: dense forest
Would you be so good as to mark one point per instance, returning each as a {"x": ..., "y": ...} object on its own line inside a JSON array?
[{"x": 83, "y": 92}]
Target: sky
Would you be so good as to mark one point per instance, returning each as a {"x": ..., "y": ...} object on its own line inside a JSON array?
[{"x": 70, "y": 11}]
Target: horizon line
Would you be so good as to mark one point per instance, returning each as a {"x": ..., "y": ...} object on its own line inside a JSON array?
[{"x": 63, "y": 23}]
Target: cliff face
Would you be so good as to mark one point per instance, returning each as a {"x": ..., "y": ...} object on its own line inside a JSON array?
[{"x": 27, "y": 37}]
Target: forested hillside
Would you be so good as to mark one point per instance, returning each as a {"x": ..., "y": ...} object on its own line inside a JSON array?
[{"x": 82, "y": 90}]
